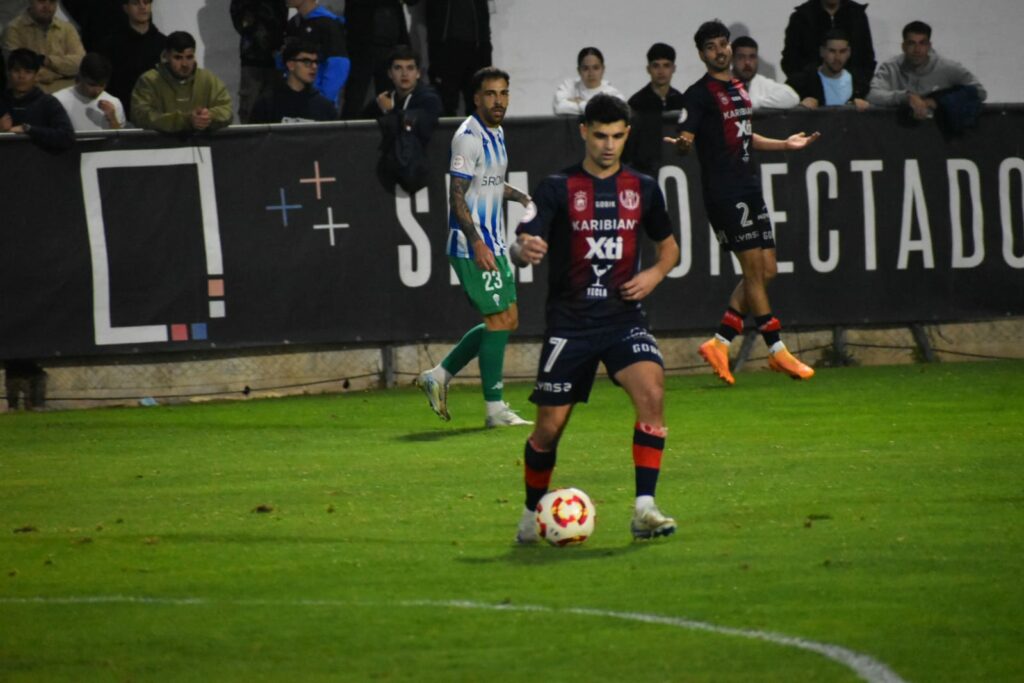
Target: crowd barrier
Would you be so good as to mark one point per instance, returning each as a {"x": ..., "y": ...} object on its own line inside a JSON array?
[{"x": 261, "y": 236}]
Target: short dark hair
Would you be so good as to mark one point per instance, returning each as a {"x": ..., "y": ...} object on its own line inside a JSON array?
[
  {"x": 403, "y": 53},
  {"x": 179, "y": 41},
  {"x": 918, "y": 27},
  {"x": 23, "y": 58},
  {"x": 605, "y": 108},
  {"x": 834, "y": 34},
  {"x": 586, "y": 52},
  {"x": 294, "y": 48},
  {"x": 710, "y": 30},
  {"x": 744, "y": 41},
  {"x": 95, "y": 68},
  {"x": 661, "y": 51},
  {"x": 488, "y": 73}
]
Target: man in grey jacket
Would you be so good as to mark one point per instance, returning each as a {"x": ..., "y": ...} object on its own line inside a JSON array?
[{"x": 912, "y": 78}]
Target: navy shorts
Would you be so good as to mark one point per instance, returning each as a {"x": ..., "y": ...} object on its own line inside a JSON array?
[
  {"x": 742, "y": 224},
  {"x": 568, "y": 365}
]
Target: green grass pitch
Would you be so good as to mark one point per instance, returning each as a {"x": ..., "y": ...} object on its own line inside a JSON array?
[{"x": 866, "y": 525}]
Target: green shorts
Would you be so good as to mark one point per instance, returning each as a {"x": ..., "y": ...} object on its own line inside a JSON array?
[{"x": 489, "y": 291}]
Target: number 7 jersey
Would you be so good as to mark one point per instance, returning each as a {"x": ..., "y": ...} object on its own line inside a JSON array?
[{"x": 592, "y": 226}]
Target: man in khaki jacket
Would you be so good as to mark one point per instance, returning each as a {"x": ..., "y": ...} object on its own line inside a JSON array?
[
  {"x": 38, "y": 29},
  {"x": 177, "y": 96}
]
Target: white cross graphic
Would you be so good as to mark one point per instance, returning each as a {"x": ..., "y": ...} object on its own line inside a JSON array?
[
  {"x": 317, "y": 179},
  {"x": 330, "y": 224}
]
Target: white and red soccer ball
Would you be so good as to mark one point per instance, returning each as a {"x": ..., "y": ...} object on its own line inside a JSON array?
[{"x": 565, "y": 517}]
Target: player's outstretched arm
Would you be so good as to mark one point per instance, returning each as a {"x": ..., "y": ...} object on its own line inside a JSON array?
[
  {"x": 644, "y": 282},
  {"x": 482, "y": 254},
  {"x": 683, "y": 143},
  {"x": 514, "y": 194},
  {"x": 794, "y": 142}
]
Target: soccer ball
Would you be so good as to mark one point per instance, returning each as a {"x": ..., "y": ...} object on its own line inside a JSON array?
[{"x": 565, "y": 517}]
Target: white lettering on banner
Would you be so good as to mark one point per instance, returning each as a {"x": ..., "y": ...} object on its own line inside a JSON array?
[
  {"x": 776, "y": 217},
  {"x": 1006, "y": 169},
  {"x": 954, "y": 168},
  {"x": 414, "y": 260},
  {"x": 678, "y": 177},
  {"x": 828, "y": 263},
  {"x": 866, "y": 168},
  {"x": 913, "y": 203}
]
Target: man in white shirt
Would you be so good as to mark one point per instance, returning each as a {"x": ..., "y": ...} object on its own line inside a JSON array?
[
  {"x": 88, "y": 106},
  {"x": 764, "y": 92}
]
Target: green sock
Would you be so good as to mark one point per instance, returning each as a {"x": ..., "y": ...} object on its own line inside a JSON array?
[
  {"x": 465, "y": 351},
  {"x": 492, "y": 363}
]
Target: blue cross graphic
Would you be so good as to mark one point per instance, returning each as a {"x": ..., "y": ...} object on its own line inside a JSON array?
[{"x": 283, "y": 208}]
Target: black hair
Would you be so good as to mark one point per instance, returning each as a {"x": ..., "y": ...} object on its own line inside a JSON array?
[
  {"x": 95, "y": 68},
  {"x": 661, "y": 51},
  {"x": 23, "y": 58},
  {"x": 605, "y": 108},
  {"x": 586, "y": 52},
  {"x": 486, "y": 74},
  {"x": 918, "y": 27},
  {"x": 125, "y": 2},
  {"x": 179, "y": 41},
  {"x": 834, "y": 34},
  {"x": 710, "y": 30},
  {"x": 744, "y": 41},
  {"x": 403, "y": 53},
  {"x": 293, "y": 48}
]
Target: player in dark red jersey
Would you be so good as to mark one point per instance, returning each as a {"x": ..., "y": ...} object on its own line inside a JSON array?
[
  {"x": 589, "y": 219},
  {"x": 717, "y": 113}
]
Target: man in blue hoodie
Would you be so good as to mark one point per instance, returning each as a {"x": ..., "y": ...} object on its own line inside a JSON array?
[
  {"x": 27, "y": 110},
  {"x": 326, "y": 30}
]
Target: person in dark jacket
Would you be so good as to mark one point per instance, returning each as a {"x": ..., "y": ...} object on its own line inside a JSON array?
[
  {"x": 831, "y": 84},
  {"x": 648, "y": 106},
  {"x": 261, "y": 25},
  {"x": 375, "y": 28},
  {"x": 458, "y": 44},
  {"x": 97, "y": 20},
  {"x": 407, "y": 115},
  {"x": 327, "y": 30},
  {"x": 295, "y": 99},
  {"x": 27, "y": 110},
  {"x": 133, "y": 49},
  {"x": 809, "y": 23}
]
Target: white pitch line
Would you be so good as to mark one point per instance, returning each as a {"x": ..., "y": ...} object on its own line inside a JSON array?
[{"x": 865, "y": 666}]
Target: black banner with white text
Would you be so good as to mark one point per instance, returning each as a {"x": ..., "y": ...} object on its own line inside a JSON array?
[{"x": 138, "y": 243}]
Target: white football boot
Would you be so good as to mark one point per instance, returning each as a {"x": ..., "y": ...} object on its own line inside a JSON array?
[
  {"x": 437, "y": 393},
  {"x": 505, "y": 417},
  {"x": 526, "y": 533},
  {"x": 651, "y": 523}
]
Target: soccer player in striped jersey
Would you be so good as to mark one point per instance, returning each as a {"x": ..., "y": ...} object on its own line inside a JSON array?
[
  {"x": 718, "y": 114},
  {"x": 477, "y": 251},
  {"x": 594, "y": 216}
]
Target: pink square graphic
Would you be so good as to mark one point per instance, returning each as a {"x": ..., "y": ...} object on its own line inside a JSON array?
[
  {"x": 216, "y": 288},
  {"x": 179, "y": 332}
]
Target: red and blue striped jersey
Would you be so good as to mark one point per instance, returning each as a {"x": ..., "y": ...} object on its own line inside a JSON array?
[
  {"x": 719, "y": 114},
  {"x": 592, "y": 226}
]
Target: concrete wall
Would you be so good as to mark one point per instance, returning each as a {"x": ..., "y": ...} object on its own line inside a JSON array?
[{"x": 537, "y": 40}]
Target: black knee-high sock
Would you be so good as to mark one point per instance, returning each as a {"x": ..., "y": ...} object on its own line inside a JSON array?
[{"x": 537, "y": 468}]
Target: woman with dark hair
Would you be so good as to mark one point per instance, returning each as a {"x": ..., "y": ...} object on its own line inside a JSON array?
[{"x": 574, "y": 93}]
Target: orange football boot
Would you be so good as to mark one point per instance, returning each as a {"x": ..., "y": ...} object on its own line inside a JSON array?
[
  {"x": 716, "y": 354},
  {"x": 783, "y": 361}
]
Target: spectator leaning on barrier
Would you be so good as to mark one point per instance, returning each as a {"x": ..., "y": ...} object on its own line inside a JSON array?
[
  {"x": 572, "y": 94},
  {"x": 459, "y": 45},
  {"x": 407, "y": 115},
  {"x": 179, "y": 96},
  {"x": 919, "y": 77},
  {"x": 27, "y": 110},
  {"x": 764, "y": 92},
  {"x": 295, "y": 99},
  {"x": 831, "y": 84},
  {"x": 133, "y": 49},
  {"x": 37, "y": 29},
  {"x": 809, "y": 23},
  {"x": 327, "y": 31},
  {"x": 87, "y": 105},
  {"x": 261, "y": 26}
]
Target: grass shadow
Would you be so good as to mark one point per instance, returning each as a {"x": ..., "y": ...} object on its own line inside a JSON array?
[
  {"x": 542, "y": 554},
  {"x": 439, "y": 434}
]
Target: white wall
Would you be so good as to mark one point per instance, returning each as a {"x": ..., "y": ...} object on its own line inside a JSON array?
[{"x": 537, "y": 40}]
